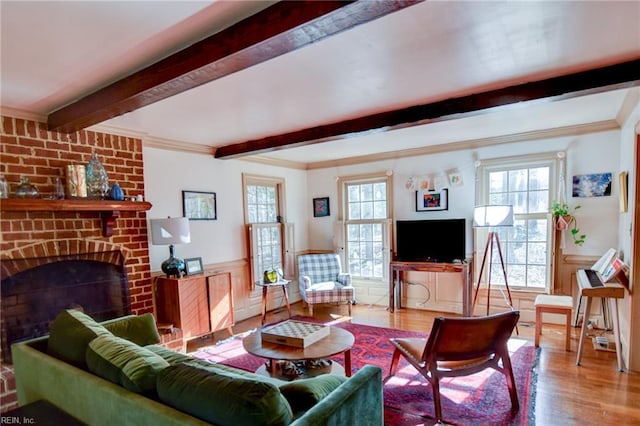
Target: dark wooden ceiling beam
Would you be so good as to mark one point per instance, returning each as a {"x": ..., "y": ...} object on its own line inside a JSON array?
[
  {"x": 276, "y": 30},
  {"x": 612, "y": 77}
]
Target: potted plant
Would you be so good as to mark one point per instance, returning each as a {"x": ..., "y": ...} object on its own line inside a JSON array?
[{"x": 564, "y": 219}]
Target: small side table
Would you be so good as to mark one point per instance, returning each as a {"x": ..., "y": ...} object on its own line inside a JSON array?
[{"x": 265, "y": 288}]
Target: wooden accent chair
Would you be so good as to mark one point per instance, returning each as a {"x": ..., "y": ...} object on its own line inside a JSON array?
[
  {"x": 460, "y": 347},
  {"x": 321, "y": 280}
]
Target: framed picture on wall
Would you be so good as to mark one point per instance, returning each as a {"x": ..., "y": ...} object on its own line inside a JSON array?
[
  {"x": 321, "y": 207},
  {"x": 592, "y": 185},
  {"x": 199, "y": 205},
  {"x": 432, "y": 200}
]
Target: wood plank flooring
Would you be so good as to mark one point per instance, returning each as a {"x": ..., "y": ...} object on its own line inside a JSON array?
[{"x": 594, "y": 393}]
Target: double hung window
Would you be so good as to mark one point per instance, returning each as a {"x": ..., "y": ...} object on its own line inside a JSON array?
[
  {"x": 263, "y": 204},
  {"x": 528, "y": 184},
  {"x": 365, "y": 208}
]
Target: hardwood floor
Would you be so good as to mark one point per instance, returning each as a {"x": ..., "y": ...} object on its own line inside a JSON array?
[{"x": 594, "y": 393}]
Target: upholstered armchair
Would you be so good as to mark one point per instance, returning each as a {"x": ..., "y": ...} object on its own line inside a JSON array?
[{"x": 321, "y": 280}]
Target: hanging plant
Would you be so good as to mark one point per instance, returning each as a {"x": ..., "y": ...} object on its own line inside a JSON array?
[{"x": 564, "y": 219}]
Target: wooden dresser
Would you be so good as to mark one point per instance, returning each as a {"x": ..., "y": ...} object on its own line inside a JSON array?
[{"x": 197, "y": 305}]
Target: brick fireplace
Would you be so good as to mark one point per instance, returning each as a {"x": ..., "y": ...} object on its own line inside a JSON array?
[
  {"x": 28, "y": 149},
  {"x": 35, "y": 290}
]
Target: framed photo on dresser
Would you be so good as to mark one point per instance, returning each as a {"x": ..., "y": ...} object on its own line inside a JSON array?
[{"x": 193, "y": 266}]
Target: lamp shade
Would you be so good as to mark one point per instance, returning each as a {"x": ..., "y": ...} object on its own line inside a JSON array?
[
  {"x": 170, "y": 231},
  {"x": 492, "y": 215}
]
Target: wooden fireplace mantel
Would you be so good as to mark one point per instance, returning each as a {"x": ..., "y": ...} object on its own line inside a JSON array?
[{"x": 109, "y": 209}]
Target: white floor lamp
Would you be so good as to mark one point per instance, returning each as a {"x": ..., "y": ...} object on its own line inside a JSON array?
[{"x": 492, "y": 216}]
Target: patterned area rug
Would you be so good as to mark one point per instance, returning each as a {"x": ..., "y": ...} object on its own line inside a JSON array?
[{"x": 478, "y": 399}]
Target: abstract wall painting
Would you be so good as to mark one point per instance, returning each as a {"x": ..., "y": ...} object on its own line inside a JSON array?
[{"x": 592, "y": 185}]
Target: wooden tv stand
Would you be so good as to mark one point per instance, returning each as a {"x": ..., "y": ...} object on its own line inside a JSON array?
[{"x": 397, "y": 268}]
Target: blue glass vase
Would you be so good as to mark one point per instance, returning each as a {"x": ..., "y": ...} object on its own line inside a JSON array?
[{"x": 116, "y": 192}]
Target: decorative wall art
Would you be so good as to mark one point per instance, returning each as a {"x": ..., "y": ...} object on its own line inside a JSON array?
[
  {"x": 199, "y": 205},
  {"x": 455, "y": 179},
  {"x": 432, "y": 200},
  {"x": 434, "y": 179},
  {"x": 624, "y": 191},
  {"x": 592, "y": 185},
  {"x": 321, "y": 207},
  {"x": 422, "y": 183}
]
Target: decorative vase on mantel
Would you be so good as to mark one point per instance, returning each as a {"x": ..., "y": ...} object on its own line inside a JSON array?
[
  {"x": 26, "y": 189},
  {"x": 116, "y": 192},
  {"x": 97, "y": 179}
]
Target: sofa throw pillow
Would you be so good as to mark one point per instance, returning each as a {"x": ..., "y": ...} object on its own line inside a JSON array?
[
  {"x": 232, "y": 372},
  {"x": 168, "y": 355},
  {"x": 222, "y": 399},
  {"x": 70, "y": 334},
  {"x": 139, "y": 329},
  {"x": 303, "y": 394},
  {"x": 125, "y": 363}
]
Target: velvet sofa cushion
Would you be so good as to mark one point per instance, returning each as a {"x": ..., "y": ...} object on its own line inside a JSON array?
[
  {"x": 222, "y": 398},
  {"x": 235, "y": 372},
  {"x": 70, "y": 334},
  {"x": 168, "y": 355},
  {"x": 303, "y": 394},
  {"x": 125, "y": 363},
  {"x": 139, "y": 329}
]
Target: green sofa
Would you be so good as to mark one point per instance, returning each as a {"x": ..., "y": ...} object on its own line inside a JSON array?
[{"x": 121, "y": 376}]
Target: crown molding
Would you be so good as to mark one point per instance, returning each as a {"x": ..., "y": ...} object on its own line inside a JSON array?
[
  {"x": 156, "y": 142},
  {"x": 630, "y": 101},
  {"x": 600, "y": 126},
  {"x": 23, "y": 114},
  {"x": 118, "y": 131},
  {"x": 172, "y": 145},
  {"x": 181, "y": 146},
  {"x": 275, "y": 162}
]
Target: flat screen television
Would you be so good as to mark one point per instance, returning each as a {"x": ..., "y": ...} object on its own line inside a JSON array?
[{"x": 439, "y": 240}]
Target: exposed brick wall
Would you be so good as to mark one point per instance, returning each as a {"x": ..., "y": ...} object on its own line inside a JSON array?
[{"x": 28, "y": 149}]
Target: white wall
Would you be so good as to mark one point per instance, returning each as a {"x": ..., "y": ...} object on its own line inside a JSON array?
[
  {"x": 627, "y": 163},
  {"x": 630, "y": 306},
  {"x": 168, "y": 173},
  {"x": 592, "y": 153}
]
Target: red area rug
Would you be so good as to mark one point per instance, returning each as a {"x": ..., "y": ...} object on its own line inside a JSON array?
[{"x": 478, "y": 399}]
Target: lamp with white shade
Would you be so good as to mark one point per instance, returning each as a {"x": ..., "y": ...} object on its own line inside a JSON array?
[
  {"x": 171, "y": 231},
  {"x": 492, "y": 216}
]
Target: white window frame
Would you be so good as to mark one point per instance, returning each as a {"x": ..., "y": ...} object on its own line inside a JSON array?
[
  {"x": 256, "y": 267},
  {"x": 555, "y": 164},
  {"x": 341, "y": 240}
]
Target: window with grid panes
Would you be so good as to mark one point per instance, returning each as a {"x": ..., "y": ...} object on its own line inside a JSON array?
[
  {"x": 366, "y": 215},
  {"x": 527, "y": 245},
  {"x": 262, "y": 212}
]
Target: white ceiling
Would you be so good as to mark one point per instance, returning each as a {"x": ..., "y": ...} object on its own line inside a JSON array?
[{"x": 55, "y": 52}]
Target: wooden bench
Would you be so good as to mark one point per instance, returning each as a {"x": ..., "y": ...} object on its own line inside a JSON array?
[{"x": 553, "y": 304}]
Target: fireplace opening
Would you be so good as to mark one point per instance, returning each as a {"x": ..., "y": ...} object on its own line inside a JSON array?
[{"x": 34, "y": 291}]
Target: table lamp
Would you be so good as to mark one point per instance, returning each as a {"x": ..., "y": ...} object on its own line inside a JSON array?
[{"x": 171, "y": 231}]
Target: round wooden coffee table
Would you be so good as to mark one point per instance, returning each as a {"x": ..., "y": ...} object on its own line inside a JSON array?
[{"x": 289, "y": 362}]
